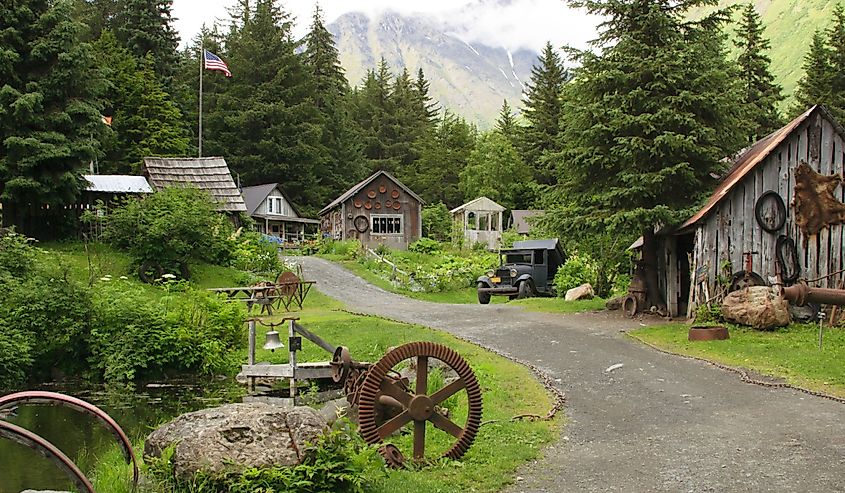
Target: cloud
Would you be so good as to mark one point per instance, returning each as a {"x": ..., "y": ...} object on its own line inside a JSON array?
[{"x": 513, "y": 24}]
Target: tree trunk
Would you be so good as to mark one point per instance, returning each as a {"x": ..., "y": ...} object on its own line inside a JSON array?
[{"x": 650, "y": 265}]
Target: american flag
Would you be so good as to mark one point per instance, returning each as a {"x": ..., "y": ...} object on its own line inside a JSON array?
[{"x": 213, "y": 62}]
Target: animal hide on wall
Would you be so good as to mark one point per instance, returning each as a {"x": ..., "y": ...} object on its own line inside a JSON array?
[{"x": 816, "y": 207}]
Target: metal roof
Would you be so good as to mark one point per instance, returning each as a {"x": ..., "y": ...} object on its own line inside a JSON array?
[
  {"x": 352, "y": 191},
  {"x": 552, "y": 244},
  {"x": 519, "y": 219},
  {"x": 481, "y": 204},
  {"x": 206, "y": 173},
  {"x": 746, "y": 162},
  {"x": 117, "y": 184}
]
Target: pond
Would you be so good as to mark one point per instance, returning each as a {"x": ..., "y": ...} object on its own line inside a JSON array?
[{"x": 82, "y": 438}]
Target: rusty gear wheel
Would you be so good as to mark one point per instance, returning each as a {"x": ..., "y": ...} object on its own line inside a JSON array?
[
  {"x": 341, "y": 364},
  {"x": 392, "y": 455},
  {"x": 381, "y": 390}
]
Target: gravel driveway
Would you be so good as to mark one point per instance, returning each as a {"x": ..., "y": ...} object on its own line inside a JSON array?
[{"x": 658, "y": 423}]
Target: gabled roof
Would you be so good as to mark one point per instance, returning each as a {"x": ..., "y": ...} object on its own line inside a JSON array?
[
  {"x": 352, "y": 191},
  {"x": 117, "y": 184},
  {"x": 255, "y": 195},
  {"x": 206, "y": 173},
  {"x": 748, "y": 160},
  {"x": 479, "y": 204},
  {"x": 520, "y": 219},
  {"x": 552, "y": 244}
]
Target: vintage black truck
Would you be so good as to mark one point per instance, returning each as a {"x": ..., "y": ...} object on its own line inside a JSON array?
[{"x": 528, "y": 269}]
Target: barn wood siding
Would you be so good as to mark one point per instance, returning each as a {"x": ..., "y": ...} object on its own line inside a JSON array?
[
  {"x": 409, "y": 210},
  {"x": 731, "y": 227}
]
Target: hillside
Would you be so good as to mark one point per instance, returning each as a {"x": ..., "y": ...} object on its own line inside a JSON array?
[
  {"x": 790, "y": 25},
  {"x": 471, "y": 80}
]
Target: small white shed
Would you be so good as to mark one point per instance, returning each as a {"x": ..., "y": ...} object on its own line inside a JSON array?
[{"x": 481, "y": 220}]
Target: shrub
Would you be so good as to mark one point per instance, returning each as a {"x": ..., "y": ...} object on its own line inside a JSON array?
[
  {"x": 424, "y": 245},
  {"x": 189, "y": 332},
  {"x": 253, "y": 253},
  {"x": 15, "y": 354},
  {"x": 436, "y": 221},
  {"x": 509, "y": 236},
  {"x": 577, "y": 270},
  {"x": 17, "y": 257},
  {"x": 170, "y": 227},
  {"x": 346, "y": 249}
]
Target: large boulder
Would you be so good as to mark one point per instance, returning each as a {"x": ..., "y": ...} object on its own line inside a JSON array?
[
  {"x": 233, "y": 437},
  {"x": 582, "y": 292},
  {"x": 757, "y": 307}
]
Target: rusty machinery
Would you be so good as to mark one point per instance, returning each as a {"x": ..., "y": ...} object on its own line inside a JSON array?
[
  {"x": 386, "y": 401},
  {"x": 47, "y": 449}
]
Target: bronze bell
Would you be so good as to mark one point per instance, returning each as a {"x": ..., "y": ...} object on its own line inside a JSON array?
[{"x": 272, "y": 341}]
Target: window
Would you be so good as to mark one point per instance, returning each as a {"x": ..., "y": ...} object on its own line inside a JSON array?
[
  {"x": 471, "y": 220},
  {"x": 270, "y": 206},
  {"x": 384, "y": 224},
  {"x": 482, "y": 222},
  {"x": 279, "y": 208}
]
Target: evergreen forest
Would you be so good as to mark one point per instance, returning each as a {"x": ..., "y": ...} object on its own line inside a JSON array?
[{"x": 609, "y": 141}]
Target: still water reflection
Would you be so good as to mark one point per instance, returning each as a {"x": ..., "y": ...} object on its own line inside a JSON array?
[{"x": 138, "y": 411}]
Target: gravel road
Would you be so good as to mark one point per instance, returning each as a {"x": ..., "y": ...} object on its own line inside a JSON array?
[{"x": 658, "y": 423}]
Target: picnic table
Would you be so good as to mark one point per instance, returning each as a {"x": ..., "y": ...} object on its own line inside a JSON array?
[{"x": 288, "y": 289}]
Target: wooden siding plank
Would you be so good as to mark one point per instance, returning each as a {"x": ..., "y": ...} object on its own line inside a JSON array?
[
  {"x": 802, "y": 155},
  {"x": 825, "y": 167},
  {"x": 837, "y": 237}
]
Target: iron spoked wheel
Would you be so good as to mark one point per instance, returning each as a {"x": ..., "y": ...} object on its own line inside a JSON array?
[
  {"x": 386, "y": 404},
  {"x": 742, "y": 280}
]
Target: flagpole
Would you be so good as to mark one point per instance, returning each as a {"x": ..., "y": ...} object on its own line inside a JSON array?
[{"x": 202, "y": 62}]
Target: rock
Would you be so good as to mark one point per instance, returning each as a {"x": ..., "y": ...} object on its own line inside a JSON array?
[
  {"x": 806, "y": 313},
  {"x": 334, "y": 409},
  {"x": 582, "y": 292},
  {"x": 757, "y": 307},
  {"x": 233, "y": 437},
  {"x": 614, "y": 303}
]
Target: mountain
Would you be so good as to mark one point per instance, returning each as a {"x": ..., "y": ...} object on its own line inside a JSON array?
[
  {"x": 790, "y": 25},
  {"x": 472, "y": 80}
]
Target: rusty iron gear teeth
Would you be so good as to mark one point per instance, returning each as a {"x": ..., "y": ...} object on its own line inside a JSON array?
[{"x": 370, "y": 390}]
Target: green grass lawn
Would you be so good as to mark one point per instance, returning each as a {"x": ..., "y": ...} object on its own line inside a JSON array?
[
  {"x": 94, "y": 261},
  {"x": 508, "y": 389},
  {"x": 791, "y": 353},
  {"x": 468, "y": 295}
]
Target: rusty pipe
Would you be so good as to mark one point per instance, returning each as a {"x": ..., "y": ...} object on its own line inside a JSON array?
[{"x": 801, "y": 293}]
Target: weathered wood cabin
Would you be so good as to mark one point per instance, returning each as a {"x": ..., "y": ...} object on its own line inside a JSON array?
[
  {"x": 275, "y": 214},
  {"x": 521, "y": 220},
  {"x": 481, "y": 222},
  {"x": 378, "y": 210},
  {"x": 206, "y": 173},
  {"x": 786, "y": 188}
]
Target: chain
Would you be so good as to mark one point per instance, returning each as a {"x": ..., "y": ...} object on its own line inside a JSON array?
[{"x": 743, "y": 374}]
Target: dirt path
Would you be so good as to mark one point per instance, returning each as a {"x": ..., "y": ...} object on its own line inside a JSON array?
[{"x": 659, "y": 423}]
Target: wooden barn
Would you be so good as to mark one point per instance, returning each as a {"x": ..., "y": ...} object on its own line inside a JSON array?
[
  {"x": 275, "y": 214},
  {"x": 206, "y": 173},
  {"x": 481, "y": 222},
  {"x": 378, "y": 210},
  {"x": 785, "y": 190}
]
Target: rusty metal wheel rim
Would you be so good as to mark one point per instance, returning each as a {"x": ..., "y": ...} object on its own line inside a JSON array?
[
  {"x": 287, "y": 283},
  {"x": 420, "y": 404}
]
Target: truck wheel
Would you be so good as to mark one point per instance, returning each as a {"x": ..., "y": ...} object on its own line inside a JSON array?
[
  {"x": 483, "y": 298},
  {"x": 524, "y": 290}
]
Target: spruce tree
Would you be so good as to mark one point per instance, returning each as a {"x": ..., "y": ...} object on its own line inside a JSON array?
[
  {"x": 443, "y": 153},
  {"x": 426, "y": 106},
  {"x": 146, "y": 26},
  {"x": 345, "y": 163},
  {"x": 495, "y": 169},
  {"x": 815, "y": 87},
  {"x": 506, "y": 123},
  {"x": 761, "y": 94},
  {"x": 265, "y": 122},
  {"x": 648, "y": 120},
  {"x": 370, "y": 110},
  {"x": 836, "y": 43},
  {"x": 50, "y": 118},
  {"x": 542, "y": 113}
]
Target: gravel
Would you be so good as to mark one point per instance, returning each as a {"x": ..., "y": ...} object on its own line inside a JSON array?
[{"x": 655, "y": 423}]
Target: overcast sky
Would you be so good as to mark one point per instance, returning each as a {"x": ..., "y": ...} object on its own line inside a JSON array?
[{"x": 509, "y": 23}]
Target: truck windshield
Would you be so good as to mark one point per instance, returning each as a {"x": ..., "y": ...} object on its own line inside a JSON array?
[{"x": 517, "y": 258}]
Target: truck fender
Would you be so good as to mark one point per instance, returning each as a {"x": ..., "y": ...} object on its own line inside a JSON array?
[{"x": 485, "y": 280}]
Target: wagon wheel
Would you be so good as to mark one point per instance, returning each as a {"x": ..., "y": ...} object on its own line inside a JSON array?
[
  {"x": 341, "y": 364},
  {"x": 742, "y": 280},
  {"x": 386, "y": 404},
  {"x": 286, "y": 283},
  {"x": 149, "y": 271}
]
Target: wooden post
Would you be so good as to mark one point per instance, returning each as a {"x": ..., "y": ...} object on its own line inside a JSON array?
[
  {"x": 292, "y": 358},
  {"x": 251, "y": 353}
]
